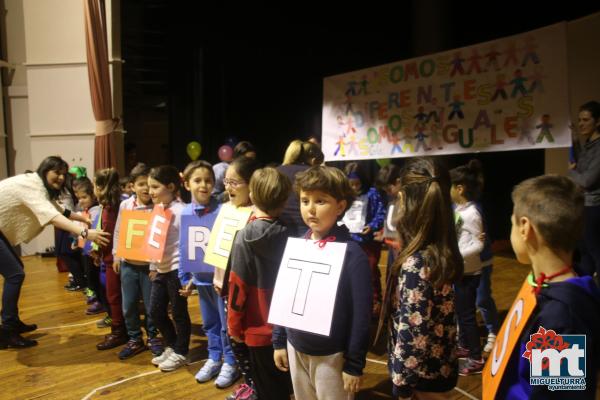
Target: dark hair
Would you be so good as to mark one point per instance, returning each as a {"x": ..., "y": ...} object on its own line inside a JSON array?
[
  {"x": 425, "y": 220},
  {"x": 140, "y": 169},
  {"x": 108, "y": 187},
  {"x": 329, "y": 180},
  {"x": 52, "y": 163},
  {"x": 356, "y": 169},
  {"x": 593, "y": 107},
  {"x": 124, "y": 180},
  {"x": 470, "y": 176},
  {"x": 166, "y": 174},
  {"x": 387, "y": 175},
  {"x": 312, "y": 154},
  {"x": 194, "y": 165},
  {"x": 554, "y": 205},
  {"x": 242, "y": 148},
  {"x": 83, "y": 184},
  {"x": 244, "y": 167},
  {"x": 270, "y": 189}
]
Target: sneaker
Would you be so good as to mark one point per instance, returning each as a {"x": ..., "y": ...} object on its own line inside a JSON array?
[
  {"x": 132, "y": 348},
  {"x": 227, "y": 377},
  {"x": 243, "y": 392},
  {"x": 95, "y": 308},
  {"x": 209, "y": 370},
  {"x": 156, "y": 346},
  {"x": 173, "y": 362},
  {"x": 76, "y": 288},
  {"x": 491, "y": 340},
  {"x": 165, "y": 354},
  {"x": 471, "y": 367},
  {"x": 106, "y": 322},
  {"x": 462, "y": 353}
]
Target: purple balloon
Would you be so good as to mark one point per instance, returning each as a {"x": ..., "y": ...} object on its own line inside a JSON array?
[{"x": 225, "y": 153}]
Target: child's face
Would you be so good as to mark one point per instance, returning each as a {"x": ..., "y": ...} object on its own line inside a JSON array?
[
  {"x": 517, "y": 240},
  {"x": 141, "y": 190},
  {"x": 239, "y": 193},
  {"x": 356, "y": 185},
  {"x": 393, "y": 189},
  {"x": 456, "y": 194},
  {"x": 200, "y": 185},
  {"x": 320, "y": 211},
  {"x": 85, "y": 199},
  {"x": 97, "y": 189},
  {"x": 160, "y": 193}
]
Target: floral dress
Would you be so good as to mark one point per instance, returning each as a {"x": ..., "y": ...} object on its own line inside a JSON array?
[{"x": 422, "y": 337}]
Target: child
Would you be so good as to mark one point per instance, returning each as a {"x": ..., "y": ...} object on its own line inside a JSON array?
[
  {"x": 485, "y": 302},
  {"x": 135, "y": 278},
  {"x": 237, "y": 178},
  {"x": 469, "y": 229},
  {"x": 388, "y": 182},
  {"x": 546, "y": 226},
  {"x": 199, "y": 179},
  {"x": 163, "y": 183},
  {"x": 255, "y": 259},
  {"x": 126, "y": 187},
  {"x": 108, "y": 193},
  {"x": 375, "y": 217},
  {"x": 330, "y": 366},
  {"x": 84, "y": 190},
  {"x": 422, "y": 335}
]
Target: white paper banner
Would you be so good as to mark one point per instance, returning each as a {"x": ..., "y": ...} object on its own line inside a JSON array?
[
  {"x": 507, "y": 94},
  {"x": 306, "y": 286}
]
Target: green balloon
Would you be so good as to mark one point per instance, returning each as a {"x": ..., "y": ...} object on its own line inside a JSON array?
[
  {"x": 193, "y": 150},
  {"x": 383, "y": 162}
]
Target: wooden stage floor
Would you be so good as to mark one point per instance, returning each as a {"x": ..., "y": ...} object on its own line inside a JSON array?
[{"x": 66, "y": 364}]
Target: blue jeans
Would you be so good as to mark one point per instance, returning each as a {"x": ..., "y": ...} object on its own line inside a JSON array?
[
  {"x": 485, "y": 301},
  {"x": 11, "y": 269},
  {"x": 136, "y": 285},
  {"x": 465, "y": 297},
  {"x": 214, "y": 320}
]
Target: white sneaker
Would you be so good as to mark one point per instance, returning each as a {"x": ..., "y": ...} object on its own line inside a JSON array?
[
  {"x": 165, "y": 354},
  {"x": 173, "y": 362},
  {"x": 491, "y": 339}
]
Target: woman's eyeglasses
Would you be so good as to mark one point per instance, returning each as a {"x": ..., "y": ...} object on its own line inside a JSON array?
[{"x": 233, "y": 183}]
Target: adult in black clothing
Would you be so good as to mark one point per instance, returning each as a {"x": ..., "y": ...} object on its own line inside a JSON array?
[{"x": 298, "y": 156}]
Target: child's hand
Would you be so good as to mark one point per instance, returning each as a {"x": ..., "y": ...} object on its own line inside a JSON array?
[
  {"x": 217, "y": 289},
  {"x": 116, "y": 266},
  {"x": 351, "y": 382},
  {"x": 281, "y": 360},
  {"x": 238, "y": 339},
  {"x": 187, "y": 290},
  {"x": 366, "y": 230},
  {"x": 152, "y": 275},
  {"x": 481, "y": 237},
  {"x": 378, "y": 236}
]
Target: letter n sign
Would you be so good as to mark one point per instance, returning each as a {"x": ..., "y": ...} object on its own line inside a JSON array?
[{"x": 306, "y": 287}]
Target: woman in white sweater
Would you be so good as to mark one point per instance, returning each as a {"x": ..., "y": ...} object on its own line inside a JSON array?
[{"x": 27, "y": 205}]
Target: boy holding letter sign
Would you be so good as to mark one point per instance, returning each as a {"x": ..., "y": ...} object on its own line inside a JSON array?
[
  {"x": 547, "y": 223},
  {"x": 325, "y": 195},
  {"x": 133, "y": 264}
]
